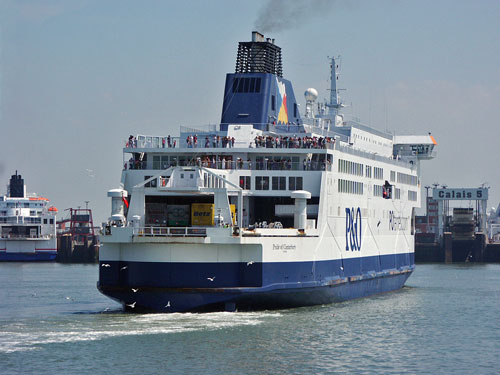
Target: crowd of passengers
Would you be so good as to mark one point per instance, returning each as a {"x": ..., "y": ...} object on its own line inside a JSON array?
[
  {"x": 216, "y": 141},
  {"x": 292, "y": 142},
  {"x": 227, "y": 163}
]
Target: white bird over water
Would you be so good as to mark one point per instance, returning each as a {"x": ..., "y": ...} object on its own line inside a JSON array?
[
  {"x": 168, "y": 304},
  {"x": 105, "y": 265},
  {"x": 132, "y": 305},
  {"x": 250, "y": 263},
  {"x": 123, "y": 268},
  {"x": 211, "y": 278},
  {"x": 135, "y": 290}
]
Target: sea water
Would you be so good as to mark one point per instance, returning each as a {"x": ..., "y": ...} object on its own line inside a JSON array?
[{"x": 446, "y": 320}]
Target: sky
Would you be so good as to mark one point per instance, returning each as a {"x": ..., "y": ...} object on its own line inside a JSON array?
[{"x": 77, "y": 77}]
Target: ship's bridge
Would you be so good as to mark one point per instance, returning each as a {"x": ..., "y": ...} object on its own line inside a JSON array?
[{"x": 417, "y": 146}]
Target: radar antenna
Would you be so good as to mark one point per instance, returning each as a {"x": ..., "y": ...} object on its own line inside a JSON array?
[{"x": 335, "y": 102}]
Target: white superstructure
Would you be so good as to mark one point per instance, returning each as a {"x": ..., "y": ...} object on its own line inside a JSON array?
[{"x": 27, "y": 225}]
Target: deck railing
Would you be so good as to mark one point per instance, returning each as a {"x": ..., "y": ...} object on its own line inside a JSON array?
[
  {"x": 214, "y": 142},
  {"x": 260, "y": 165},
  {"x": 170, "y": 232}
]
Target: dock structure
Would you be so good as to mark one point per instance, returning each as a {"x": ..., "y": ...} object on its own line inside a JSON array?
[{"x": 458, "y": 234}]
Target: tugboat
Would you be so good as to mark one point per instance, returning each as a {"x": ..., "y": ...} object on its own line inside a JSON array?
[
  {"x": 268, "y": 209},
  {"x": 77, "y": 241},
  {"x": 27, "y": 225}
]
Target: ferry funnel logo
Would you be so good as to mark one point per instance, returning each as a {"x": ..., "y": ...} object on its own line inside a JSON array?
[{"x": 283, "y": 111}]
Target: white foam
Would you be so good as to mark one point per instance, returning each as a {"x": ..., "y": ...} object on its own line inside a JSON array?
[{"x": 23, "y": 338}]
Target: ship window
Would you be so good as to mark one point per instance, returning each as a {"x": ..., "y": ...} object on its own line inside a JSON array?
[
  {"x": 241, "y": 83},
  {"x": 245, "y": 182},
  {"x": 164, "y": 162},
  {"x": 247, "y": 84},
  {"x": 151, "y": 183},
  {"x": 261, "y": 183},
  {"x": 368, "y": 171},
  {"x": 51, "y": 221},
  {"x": 257, "y": 85},
  {"x": 32, "y": 213},
  {"x": 273, "y": 103},
  {"x": 279, "y": 183},
  {"x": 294, "y": 109},
  {"x": 378, "y": 191},
  {"x": 235, "y": 84},
  {"x": 156, "y": 162},
  {"x": 45, "y": 221},
  {"x": 252, "y": 85},
  {"x": 294, "y": 183}
]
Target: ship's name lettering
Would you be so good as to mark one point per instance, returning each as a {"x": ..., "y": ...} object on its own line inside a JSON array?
[
  {"x": 283, "y": 247},
  {"x": 396, "y": 222},
  {"x": 353, "y": 229}
]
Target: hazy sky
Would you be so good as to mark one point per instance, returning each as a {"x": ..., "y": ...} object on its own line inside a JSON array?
[{"x": 77, "y": 77}]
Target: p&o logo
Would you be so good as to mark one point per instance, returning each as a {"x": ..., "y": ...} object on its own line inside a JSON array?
[{"x": 353, "y": 229}]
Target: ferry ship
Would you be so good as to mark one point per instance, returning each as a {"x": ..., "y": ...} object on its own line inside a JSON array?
[
  {"x": 268, "y": 209},
  {"x": 27, "y": 225}
]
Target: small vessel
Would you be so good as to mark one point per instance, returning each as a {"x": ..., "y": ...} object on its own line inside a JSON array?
[
  {"x": 270, "y": 208},
  {"x": 77, "y": 240},
  {"x": 27, "y": 225}
]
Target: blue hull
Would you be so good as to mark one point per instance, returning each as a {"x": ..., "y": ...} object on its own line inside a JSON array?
[
  {"x": 28, "y": 257},
  {"x": 181, "y": 287}
]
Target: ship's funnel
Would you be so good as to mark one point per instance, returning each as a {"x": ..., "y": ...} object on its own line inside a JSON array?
[
  {"x": 16, "y": 186},
  {"x": 259, "y": 56}
]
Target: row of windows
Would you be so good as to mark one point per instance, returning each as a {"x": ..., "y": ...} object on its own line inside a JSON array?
[
  {"x": 352, "y": 187},
  {"x": 368, "y": 171},
  {"x": 408, "y": 179},
  {"x": 397, "y": 193},
  {"x": 346, "y": 166},
  {"x": 27, "y": 220},
  {"x": 412, "y": 195},
  {"x": 378, "y": 190},
  {"x": 393, "y": 176},
  {"x": 246, "y": 85},
  {"x": 278, "y": 183},
  {"x": 378, "y": 173},
  {"x": 23, "y": 204}
]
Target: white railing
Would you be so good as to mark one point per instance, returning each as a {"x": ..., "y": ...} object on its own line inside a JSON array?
[
  {"x": 24, "y": 236},
  {"x": 170, "y": 232}
]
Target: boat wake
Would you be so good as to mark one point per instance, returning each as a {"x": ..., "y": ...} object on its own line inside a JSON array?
[{"x": 32, "y": 335}]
